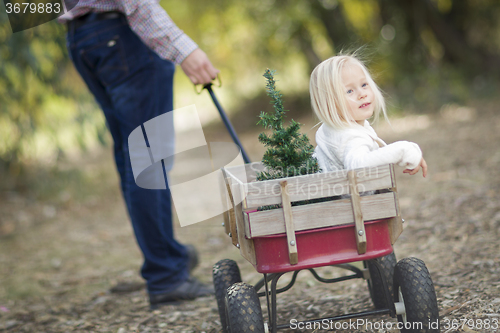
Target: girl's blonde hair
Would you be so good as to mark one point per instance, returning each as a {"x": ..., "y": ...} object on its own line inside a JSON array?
[{"x": 328, "y": 98}]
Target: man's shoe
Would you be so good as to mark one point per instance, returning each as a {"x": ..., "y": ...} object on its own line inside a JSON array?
[
  {"x": 188, "y": 290},
  {"x": 193, "y": 257},
  {"x": 128, "y": 287}
]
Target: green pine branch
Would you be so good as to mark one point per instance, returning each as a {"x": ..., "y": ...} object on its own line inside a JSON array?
[{"x": 289, "y": 152}]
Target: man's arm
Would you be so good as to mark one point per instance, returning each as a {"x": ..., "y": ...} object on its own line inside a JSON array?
[{"x": 157, "y": 30}]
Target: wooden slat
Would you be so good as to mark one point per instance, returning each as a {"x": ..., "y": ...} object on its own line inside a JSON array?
[
  {"x": 238, "y": 193},
  {"x": 245, "y": 173},
  {"x": 245, "y": 245},
  {"x": 247, "y": 225},
  {"x": 232, "y": 219},
  {"x": 316, "y": 186},
  {"x": 323, "y": 214},
  {"x": 395, "y": 228},
  {"x": 359, "y": 225},
  {"x": 235, "y": 178},
  {"x": 393, "y": 178},
  {"x": 396, "y": 223},
  {"x": 226, "y": 199},
  {"x": 226, "y": 220},
  {"x": 289, "y": 227},
  {"x": 247, "y": 249}
]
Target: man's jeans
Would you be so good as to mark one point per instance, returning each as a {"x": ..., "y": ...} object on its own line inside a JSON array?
[{"x": 133, "y": 85}]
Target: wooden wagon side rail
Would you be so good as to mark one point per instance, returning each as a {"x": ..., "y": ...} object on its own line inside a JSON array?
[
  {"x": 359, "y": 224},
  {"x": 246, "y": 195},
  {"x": 320, "y": 215},
  {"x": 233, "y": 218},
  {"x": 289, "y": 224},
  {"x": 317, "y": 185}
]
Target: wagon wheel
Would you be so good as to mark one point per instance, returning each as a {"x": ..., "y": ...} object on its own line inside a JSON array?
[
  {"x": 243, "y": 311},
  {"x": 225, "y": 274},
  {"x": 416, "y": 304},
  {"x": 375, "y": 284}
]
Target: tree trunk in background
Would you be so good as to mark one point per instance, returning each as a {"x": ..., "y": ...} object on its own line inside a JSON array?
[
  {"x": 448, "y": 29},
  {"x": 305, "y": 41},
  {"x": 336, "y": 25},
  {"x": 451, "y": 38},
  {"x": 454, "y": 41}
]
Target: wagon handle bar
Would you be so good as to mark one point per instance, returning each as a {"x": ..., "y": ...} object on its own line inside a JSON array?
[
  {"x": 225, "y": 119},
  {"x": 217, "y": 79}
]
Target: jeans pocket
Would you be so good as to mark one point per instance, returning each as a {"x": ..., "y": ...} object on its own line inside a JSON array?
[{"x": 107, "y": 60}]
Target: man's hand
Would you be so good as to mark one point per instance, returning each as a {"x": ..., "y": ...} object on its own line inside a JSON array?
[
  {"x": 198, "y": 67},
  {"x": 414, "y": 171}
]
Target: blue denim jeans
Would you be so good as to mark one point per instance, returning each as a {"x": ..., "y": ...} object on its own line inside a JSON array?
[{"x": 132, "y": 84}]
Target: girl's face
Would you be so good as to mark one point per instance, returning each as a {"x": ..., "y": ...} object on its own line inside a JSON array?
[{"x": 360, "y": 97}]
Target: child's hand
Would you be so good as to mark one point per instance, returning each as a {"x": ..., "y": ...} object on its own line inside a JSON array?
[{"x": 422, "y": 165}]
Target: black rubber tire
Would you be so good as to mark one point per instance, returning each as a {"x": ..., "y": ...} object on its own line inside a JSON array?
[
  {"x": 244, "y": 314},
  {"x": 375, "y": 284},
  {"x": 413, "y": 281},
  {"x": 225, "y": 273}
]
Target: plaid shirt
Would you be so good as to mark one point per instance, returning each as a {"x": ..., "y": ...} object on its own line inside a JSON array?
[{"x": 148, "y": 20}]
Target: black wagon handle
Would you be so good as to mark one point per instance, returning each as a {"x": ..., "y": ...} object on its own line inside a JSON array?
[
  {"x": 217, "y": 81},
  {"x": 224, "y": 117}
]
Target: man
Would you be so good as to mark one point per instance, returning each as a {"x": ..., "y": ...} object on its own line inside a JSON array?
[{"x": 126, "y": 52}]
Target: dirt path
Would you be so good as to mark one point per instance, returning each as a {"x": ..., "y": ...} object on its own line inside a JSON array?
[{"x": 55, "y": 273}]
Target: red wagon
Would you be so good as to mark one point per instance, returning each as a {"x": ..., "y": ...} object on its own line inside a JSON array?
[{"x": 324, "y": 219}]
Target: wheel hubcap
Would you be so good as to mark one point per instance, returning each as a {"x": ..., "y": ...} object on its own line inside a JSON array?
[{"x": 400, "y": 306}]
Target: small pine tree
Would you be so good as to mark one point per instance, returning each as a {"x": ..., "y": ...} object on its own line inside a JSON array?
[{"x": 289, "y": 153}]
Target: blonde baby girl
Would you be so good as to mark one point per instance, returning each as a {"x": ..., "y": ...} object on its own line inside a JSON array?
[{"x": 343, "y": 97}]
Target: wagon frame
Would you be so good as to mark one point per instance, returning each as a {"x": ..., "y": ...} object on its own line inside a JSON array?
[
  {"x": 359, "y": 220},
  {"x": 244, "y": 221}
]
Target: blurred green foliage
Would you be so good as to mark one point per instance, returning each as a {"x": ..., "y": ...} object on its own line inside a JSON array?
[
  {"x": 424, "y": 53},
  {"x": 45, "y": 110}
]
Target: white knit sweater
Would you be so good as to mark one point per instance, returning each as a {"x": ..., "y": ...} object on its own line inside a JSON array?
[{"x": 358, "y": 147}]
